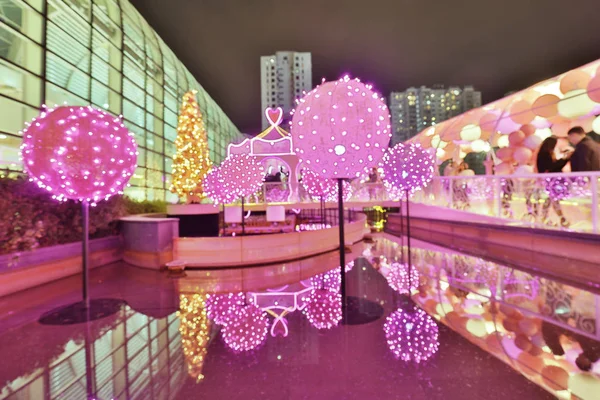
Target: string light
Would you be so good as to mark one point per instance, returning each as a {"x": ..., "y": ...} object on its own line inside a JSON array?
[
  {"x": 191, "y": 163},
  {"x": 411, "y": 335},
  {"x": 323, "y": 308},
  {"x": 341, "y": 127},
  {"x": 319, "y": 187},
  {"x": 246, "y": 328},
  {"x": 194, "y": 330},
  {"x": 214, "y": 187},
  {"x": 240, "y": 175},
  {"x": 406, "y": 168},
  {"x": 219, "y": 306},
  {"x": 79, "y": 153}
]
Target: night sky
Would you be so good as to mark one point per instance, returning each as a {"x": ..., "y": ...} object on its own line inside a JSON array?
[{"x": 497, "y": 46}]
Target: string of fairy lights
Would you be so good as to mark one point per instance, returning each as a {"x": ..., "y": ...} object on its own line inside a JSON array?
[{"x": 192, "y": 162}]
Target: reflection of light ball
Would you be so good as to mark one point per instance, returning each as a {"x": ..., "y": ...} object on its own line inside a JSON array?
[
  {"x": 323, "y": 308},
  {"x": 407, "y": 167},
  {"x": 220, "y": 305},
  {"x": 79, "y": 153},
  {"x": 245, "y": 329},
  {"x": 345, "y": 114},
  {"x": 412, "y": 335},
  {"x": 399, "y": 278}
]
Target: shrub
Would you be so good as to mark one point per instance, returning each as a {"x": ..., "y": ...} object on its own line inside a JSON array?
[{"x": 31, "y": 218}]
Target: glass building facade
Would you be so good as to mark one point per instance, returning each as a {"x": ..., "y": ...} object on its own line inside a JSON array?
[{"x": 99, "y": 52}]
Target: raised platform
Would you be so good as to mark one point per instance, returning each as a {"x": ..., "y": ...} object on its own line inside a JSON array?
[{"x": 259, "y": 250}]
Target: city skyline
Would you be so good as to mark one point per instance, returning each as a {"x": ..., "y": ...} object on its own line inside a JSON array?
[{"x": 415, "y": 109}]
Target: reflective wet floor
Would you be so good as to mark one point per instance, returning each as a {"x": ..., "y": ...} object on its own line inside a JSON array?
[{"x": 471, "y": 329}]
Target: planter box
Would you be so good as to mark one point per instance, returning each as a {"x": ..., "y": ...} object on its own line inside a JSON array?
[
  {"x": 148, "y": 240},
  {"x": 32, "y": 268}
]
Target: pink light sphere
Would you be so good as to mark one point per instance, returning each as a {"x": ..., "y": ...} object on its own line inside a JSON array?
[
  {"x": 246, "y": 328},
  {"x": 219, "y": 306},
  {"x": 241, "y": 175},
  {"x": 341, "y": 127},
  {"x": 407, "y": 167},
  {"x": 411, "y": 335},
  {"x": 79, "y": 153},
  {"x": 317, "y": 186},
  {"x": 323, "y": 308}
]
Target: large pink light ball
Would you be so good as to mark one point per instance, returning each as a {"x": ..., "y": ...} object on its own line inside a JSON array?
[
  {"x": 246, "y": 328},
  {"x": 407, "y": 167},
  {"x": 241, "y": 175},
  {"x": 79, "y": 153},
  {"x": 340, "y": 128},
  {"x": 411, "y": 335}
]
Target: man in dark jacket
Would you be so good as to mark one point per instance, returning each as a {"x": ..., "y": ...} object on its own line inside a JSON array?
[{"x": 586, "y": 156}]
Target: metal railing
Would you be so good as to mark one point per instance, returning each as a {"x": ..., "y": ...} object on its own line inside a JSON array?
[
  {"x": 558, "y": 201},
  {"x": 554, "y": 201}
]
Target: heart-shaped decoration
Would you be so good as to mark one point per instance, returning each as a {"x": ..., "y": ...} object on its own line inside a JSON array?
[
  {"x": 404, "y": 174},
  {"x": 274, "y": 115}
]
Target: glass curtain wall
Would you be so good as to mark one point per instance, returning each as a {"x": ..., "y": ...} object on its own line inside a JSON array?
[{"x": 99, "y": 52}]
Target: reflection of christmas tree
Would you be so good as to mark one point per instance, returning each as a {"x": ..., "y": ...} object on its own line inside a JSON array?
[
  {"x": 192, "y": 162},
  {"x": 194, "y": 330}
]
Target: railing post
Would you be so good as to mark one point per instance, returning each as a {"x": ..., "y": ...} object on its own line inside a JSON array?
[{"x": 594, "y": 187}]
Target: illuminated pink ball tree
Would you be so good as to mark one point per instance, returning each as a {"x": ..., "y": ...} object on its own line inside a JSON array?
[
  {"x": 241, "y": 175},
  {"x": 341, "y": 127},
  {"x": 411, "y": 335},
  {"x": 82, "y": 154},
  {"x": 406, "y": 168},
  {"x": 215, "y": 188},
  {"x": 79, "y": 153},
  {"x": 321, "y": 188}
]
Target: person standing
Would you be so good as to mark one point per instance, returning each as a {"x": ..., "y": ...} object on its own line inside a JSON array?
[
  {"x": 586, "y": 156},
  {"x": 548, "y": 163}
]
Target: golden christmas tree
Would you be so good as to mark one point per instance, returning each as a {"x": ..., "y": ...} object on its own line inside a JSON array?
[
  {"x": 191, "y": 163},
  {"x": 195, "y": 332}
]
